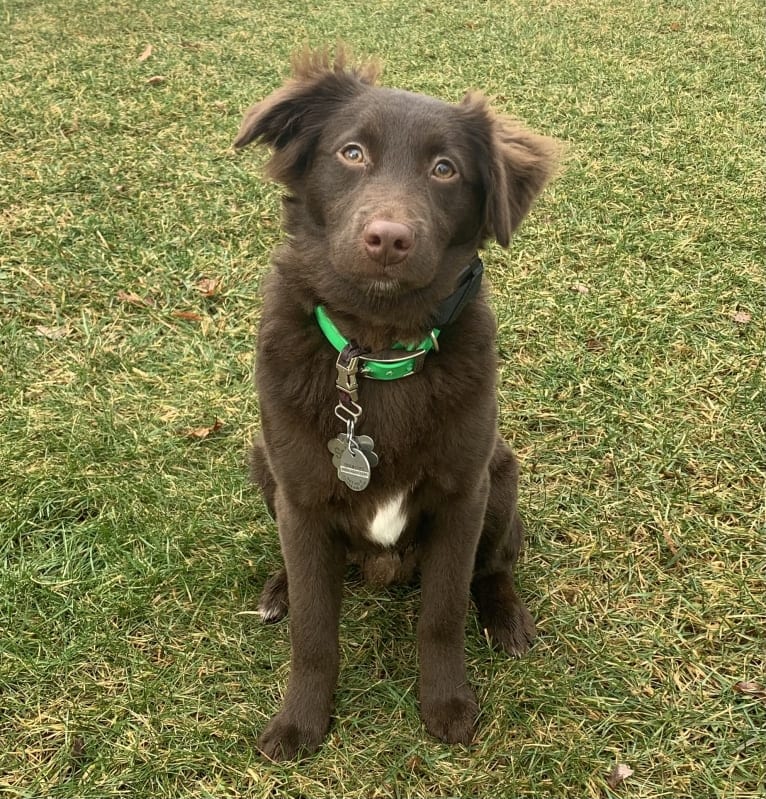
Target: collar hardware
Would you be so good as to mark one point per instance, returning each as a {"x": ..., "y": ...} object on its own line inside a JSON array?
[
  {"x": 391, "y": 364},
  {"x": 399, "y": 360},
  {"x": 347, "y": 372}
]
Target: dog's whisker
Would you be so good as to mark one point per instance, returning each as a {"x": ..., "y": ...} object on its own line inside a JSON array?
[{"x": 379, "y": 290}]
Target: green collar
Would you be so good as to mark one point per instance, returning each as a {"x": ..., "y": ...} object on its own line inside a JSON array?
[{"x": 387, "y": 365}]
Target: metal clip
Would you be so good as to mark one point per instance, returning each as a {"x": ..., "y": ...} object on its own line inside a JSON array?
[
  {"x": 348, "y": 415},
  {"x": 346, "y": 381}
]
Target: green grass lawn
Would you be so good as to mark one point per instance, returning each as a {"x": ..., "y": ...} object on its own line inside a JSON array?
[{"x": 132, "y": 549}]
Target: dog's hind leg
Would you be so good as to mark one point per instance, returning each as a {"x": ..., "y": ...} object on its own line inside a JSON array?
[
  {"x": 273, "y": 604},
  {"x": 260, "y": 473},
  {"x": 501, "y": 612}
]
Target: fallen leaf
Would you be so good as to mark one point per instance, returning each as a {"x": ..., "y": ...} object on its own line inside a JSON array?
[
  {"x": 70, "y": 127},
  {"x": 741, "y": 317},
  {"x": 155, "y": 80},
  {"x": 619, "y": 773},
  {"x": 189, "y": 316},
  {"x": 77, "y": 752},
  {"x": 208, "y": 286},
  {"x": 133, "y": 299},
  {"x": 670, "y": 542},
  {"x": 203, "y": 432},
  {"x": 570, "y": 596},
  {"x": 53, "y": 333},
  {"x": 579, "y": 288},
  {"x": 675, "y": 26},
  {"x": 220, "y": 105},
  {"x": 77, "y": 756},
  {"x": 610, "y": 469},
  {"x": 594, "y": 344},
  {"x": 415, "y": 763},
  {"x": 751, "y": 689},
  {"x": 146, "y": 54}
]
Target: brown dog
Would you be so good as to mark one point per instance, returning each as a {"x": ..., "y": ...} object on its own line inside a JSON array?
[{"x": 376, "y": 375}]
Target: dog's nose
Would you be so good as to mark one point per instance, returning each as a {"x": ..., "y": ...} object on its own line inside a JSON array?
[{"x": 388, "y": 242}]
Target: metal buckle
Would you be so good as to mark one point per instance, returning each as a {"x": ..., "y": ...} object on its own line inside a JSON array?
[
  {"x": 346, "y": 381},
  {"x": 393, "y": 358}
]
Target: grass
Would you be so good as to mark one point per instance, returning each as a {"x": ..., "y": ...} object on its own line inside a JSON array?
[{"x": 631, "y": 334}]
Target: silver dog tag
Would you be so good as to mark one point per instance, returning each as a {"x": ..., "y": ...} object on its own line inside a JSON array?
[
  {"x": 365, "y": 443},
  {"x": 354, "y": 469},
  {"x": 337, "y": 447}
]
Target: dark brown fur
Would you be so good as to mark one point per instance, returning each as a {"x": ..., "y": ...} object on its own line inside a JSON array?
[{"x": 435, "y": 432}]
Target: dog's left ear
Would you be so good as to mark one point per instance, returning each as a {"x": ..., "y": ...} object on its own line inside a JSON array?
[
  {"x": 524, "y": 163},
  {"x": 520, "y": 164}
]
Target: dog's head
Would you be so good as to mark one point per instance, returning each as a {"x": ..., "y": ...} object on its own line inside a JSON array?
[{"x": 394, "y": 191}]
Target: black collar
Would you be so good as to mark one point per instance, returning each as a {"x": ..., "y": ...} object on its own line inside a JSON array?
[{"x": 468, "y": 284}]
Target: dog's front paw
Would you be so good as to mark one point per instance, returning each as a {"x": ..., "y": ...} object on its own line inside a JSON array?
[
  {"x": 285, "y": 739},
  {"x": 452, "y": 720}
]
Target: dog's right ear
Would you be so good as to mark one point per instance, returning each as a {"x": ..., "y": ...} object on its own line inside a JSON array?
[{"x": 292, "y": 118}]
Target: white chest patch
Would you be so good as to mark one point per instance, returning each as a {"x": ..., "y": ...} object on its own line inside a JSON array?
[{"x": 388, "y": 522}]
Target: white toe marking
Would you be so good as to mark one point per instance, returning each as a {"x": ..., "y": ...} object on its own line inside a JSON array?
[{"x": 388, "y": 522}]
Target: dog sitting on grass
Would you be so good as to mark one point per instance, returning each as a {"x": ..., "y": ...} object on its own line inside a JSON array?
[{"x": 375, "y": 370}]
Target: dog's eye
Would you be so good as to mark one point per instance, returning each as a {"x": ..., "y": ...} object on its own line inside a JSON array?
[
  {"x": 352, "y": 153},
  {"x": 444, "y": 170}
]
